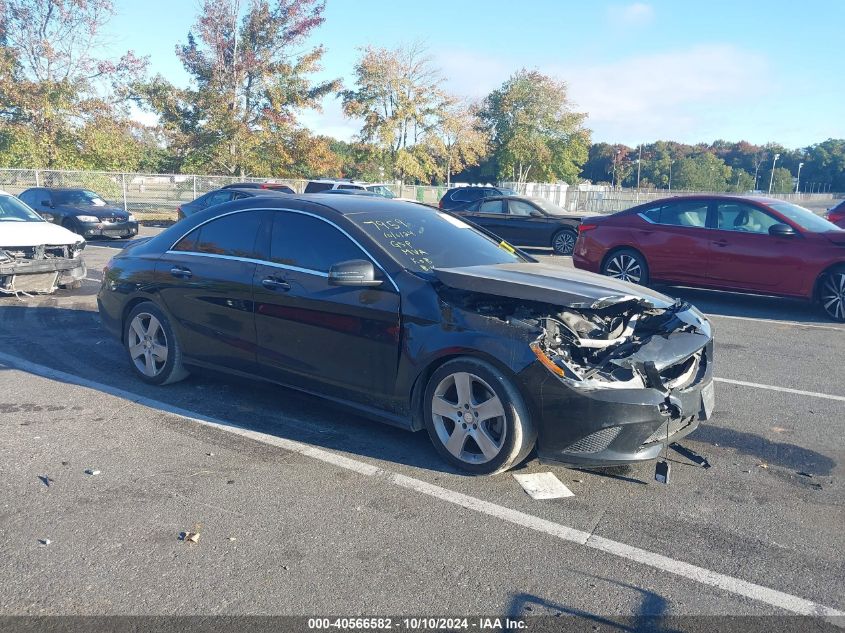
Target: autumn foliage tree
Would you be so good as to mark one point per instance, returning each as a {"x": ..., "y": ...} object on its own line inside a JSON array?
[
  {"x": 250, "y": 76},
  {"x": 54, "y": 93},
  {"x": 398, "y": 96},
  {"x": 534, "y": 131}
]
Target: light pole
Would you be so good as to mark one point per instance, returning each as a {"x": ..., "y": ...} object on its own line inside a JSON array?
[
  {"x": 615, "y": 160},
  {"x": 798, "y": 179},
  {"x": 670, "y": 175},
  {"x": 772, "y": 177},
  {"x": 639, "y": 160}
]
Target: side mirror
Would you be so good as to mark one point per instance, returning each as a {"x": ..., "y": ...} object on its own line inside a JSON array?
[
  {"x": 355, "y": 272},
  {"x": 781, "y": 230},
  {"x": 536, "y": 214}
]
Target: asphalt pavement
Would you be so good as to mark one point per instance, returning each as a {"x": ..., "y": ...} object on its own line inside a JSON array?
[{"x": 303, "y": 508}]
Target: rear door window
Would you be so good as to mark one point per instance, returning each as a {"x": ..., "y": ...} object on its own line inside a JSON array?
[
  {"x": 492, "y": 206},
  {"x": 232, "y": 235},
  {"x": 691, "y": 214},
  {"x": 316, "y": 187}
]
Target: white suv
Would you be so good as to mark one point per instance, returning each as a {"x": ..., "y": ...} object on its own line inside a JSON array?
[{"x": 316, "y": 186}]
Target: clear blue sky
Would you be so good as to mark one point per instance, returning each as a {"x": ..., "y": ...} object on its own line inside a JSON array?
[{"x": 682, "y": 70}]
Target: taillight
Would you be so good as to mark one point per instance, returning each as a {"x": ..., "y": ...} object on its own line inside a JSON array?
[
  {"x": 440, "y": 205},
  {"x": 583, "y": 228},
  {"x": 835, "y": 216}
]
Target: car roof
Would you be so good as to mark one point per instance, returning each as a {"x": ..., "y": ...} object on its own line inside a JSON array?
[
  {"x": 714, "y": 196},
  {"x": 326, "y": 204},
  {"x": 252, "y": 191}
]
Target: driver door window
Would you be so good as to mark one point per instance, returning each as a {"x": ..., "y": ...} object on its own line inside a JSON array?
[
  {"x": 310, "y": 244},
  {"x": 732, "y": 216}
]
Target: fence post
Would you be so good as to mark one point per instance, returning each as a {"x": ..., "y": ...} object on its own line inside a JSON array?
[
  {"x": 195, "y": 187},
  {"x": 123, "y": 186},
  {"x": 37, "y": 181}
]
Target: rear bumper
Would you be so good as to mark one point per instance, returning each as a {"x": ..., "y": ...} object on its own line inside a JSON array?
[{"x": 606, "y": 427}]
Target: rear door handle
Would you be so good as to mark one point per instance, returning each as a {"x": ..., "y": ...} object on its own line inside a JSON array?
[
  {"x": 722, "y": 243},
  {"x": 181, "y": 272},
  {"x": 274, "y": 283}
]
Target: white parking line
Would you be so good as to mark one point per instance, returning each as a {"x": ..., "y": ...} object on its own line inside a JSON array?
[
  {"x": 800, "y": 392},
  {"x": 777, "y": 322},
  {"x": 737, "y": 586}
]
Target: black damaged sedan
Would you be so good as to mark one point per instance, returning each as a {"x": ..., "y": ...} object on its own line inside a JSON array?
[{"x": 412, "y": 316}]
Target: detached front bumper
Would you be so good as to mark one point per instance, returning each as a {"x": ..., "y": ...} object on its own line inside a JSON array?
[
  {"x": 40, "y": 275},
  {"x": 606, "y": 427}
]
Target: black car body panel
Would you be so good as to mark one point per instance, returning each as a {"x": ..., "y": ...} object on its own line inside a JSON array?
[
  {"x": 604, "y": 367},
  {"x": 520, "y": 220},
  {"x": 549, "y": 284},
  {"x": 459, "y": 197}
]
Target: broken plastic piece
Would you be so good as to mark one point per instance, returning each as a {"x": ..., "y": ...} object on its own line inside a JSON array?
[
  {"x": 91, "y": 471},
  {"x": 190, "y": 537}
]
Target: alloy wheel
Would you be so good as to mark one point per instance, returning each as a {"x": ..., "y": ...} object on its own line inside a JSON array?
[
  {"x": 469, "y": 418},
  {"x": 833, "y": 295},
  {"x": 564, "y": 243},
  {"x": 147, "y": 344},
  {"x": 624, "y": 267}
]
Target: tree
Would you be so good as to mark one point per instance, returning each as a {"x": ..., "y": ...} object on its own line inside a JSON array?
[
  {"x": 398, "y": 95},
  {"x": 457, "y": 139},
  {"x": 250, "y": 77},
  {"x": 703, "y": 172},
  {"x": 534, "y": 131},
  {"x": 51, "y": 84}
]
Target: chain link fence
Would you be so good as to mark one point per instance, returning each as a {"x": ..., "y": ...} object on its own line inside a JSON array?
[{"x": 157, "y": 196}]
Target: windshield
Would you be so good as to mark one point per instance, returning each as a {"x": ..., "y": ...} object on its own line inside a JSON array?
[
  {"x": 382, "y": 191},
  {"x": 13, "y": 210},
  {"x": 421, "y": 239},
  {"x": 548, "y": 207},
  {"x": 508, "y": 192},
  {"x": 804, "y": 218},
  {"x": 78, "y": 196}
]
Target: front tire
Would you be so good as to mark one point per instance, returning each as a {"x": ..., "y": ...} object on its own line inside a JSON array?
[
  {"x": 476, "y": 418},
  {"x": 154, "y": 352},
  {"x": 563, "y": 242},
  {"x": 626, "y": 265},
  {"x": 832, "y": 294}
]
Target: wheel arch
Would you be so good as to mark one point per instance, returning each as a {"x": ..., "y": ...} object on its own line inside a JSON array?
[
  {"x": 424, "y": 375},
  {"x": 624, "y": 247},
  {"x": 821, "y": 276}
]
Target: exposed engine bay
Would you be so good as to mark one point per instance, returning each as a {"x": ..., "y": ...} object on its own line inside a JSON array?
[{"x": 618, "y": 344}]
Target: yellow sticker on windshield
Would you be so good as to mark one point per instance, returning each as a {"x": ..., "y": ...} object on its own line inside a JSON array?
[{"x": 510, "y": 249}]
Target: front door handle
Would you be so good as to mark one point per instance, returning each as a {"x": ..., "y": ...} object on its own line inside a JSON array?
[
  {"x": 274, "y": 283},
  {"x": 181, "y": 272},
  {"x": 721, "y": 243}
]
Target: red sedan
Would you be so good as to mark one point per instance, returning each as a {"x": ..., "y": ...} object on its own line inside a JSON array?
[
  {"x": 755, "y": 245},
  {"x": 836, "y": 214}
]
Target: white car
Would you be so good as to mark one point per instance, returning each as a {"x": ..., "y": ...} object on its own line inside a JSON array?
[
  {"x": 36, "y": 256},
  {"x": 324, "y": 184}
]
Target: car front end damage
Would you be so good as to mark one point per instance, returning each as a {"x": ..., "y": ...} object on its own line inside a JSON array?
[
  {"x": 40, "y": 269},
  {"x": 617, "y": 370}
]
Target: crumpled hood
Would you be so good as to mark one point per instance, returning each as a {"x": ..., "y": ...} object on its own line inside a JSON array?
[
  {"x": 547, "y": 283},
  {"x": 20, "y": 234}
]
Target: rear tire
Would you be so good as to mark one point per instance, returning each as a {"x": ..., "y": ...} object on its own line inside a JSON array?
[
  {"x": 476, "y": 418},
  {"x": 563, "y": 242},
  {"x": 151, "y": 345},
  {"x": 626, "y": 264},
  {"x": 832, "y": 294}
]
